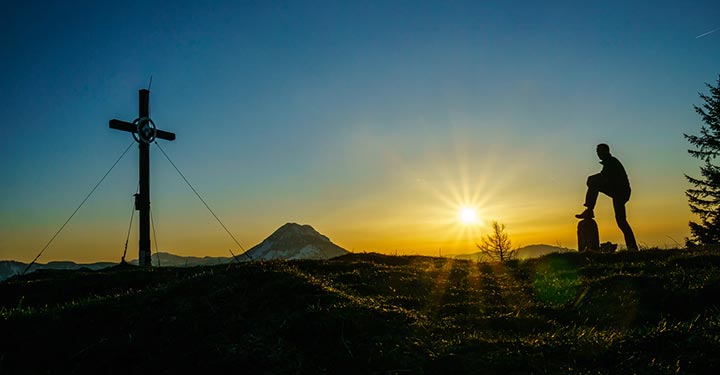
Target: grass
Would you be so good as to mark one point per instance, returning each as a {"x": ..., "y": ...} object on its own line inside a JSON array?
[{"x": 648, "y": 312}]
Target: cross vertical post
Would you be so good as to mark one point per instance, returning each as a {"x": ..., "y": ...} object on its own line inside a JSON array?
[
  {"x": 144, "y": 131},
  {"x": 144, "y": 181}
]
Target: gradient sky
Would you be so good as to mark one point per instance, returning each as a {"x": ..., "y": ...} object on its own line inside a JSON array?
[{"x": 372, "y": 121}]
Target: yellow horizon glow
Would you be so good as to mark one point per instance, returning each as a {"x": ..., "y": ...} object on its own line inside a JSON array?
[{"x": 417, "y": 209}]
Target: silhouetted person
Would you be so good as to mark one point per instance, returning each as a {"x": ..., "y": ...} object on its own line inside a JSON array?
[{"x": 613, "y": 182}]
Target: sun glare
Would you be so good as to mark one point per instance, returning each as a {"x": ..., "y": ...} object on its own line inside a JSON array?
[{"x": 468, "y": 215}]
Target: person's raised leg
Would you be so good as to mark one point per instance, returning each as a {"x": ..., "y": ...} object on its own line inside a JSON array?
[
  {"x": 593, "y": 189},
  {"x": 621, "y": 219}
]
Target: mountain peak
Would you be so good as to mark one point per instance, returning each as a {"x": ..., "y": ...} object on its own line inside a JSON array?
[
  {"x": 296, "y": 241},
  {"x": 294, "y": 231}
]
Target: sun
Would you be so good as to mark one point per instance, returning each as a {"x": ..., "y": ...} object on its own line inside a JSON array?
[{"x": 468, "y": 215}]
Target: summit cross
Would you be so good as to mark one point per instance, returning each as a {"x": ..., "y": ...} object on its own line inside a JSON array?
[{"x": 144, "y": 131}]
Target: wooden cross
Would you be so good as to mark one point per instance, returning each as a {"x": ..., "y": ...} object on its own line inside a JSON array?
[{"x": 144, "y": 131}]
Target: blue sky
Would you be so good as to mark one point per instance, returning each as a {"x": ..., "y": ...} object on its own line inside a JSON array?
[{"x": 372, "y": 121}]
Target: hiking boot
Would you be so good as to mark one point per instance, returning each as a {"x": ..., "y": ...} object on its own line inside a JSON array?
[{"x": 587, "y": 214}]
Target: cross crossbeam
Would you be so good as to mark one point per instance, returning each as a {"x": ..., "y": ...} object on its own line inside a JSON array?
[
  {"x": 132, "y": 128},
  {"x": 144, "y": 132}
]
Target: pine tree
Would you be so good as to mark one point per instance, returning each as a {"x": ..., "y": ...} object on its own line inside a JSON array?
[
  {"x": 497, "y": 245},
  {"x": 704, "y": 197}
]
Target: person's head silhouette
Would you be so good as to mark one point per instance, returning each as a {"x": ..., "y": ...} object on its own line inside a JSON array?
[{"x": 603, "y": 151}]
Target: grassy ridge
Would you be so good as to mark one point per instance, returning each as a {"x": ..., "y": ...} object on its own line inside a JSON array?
[{"x": 647, "y": 312}]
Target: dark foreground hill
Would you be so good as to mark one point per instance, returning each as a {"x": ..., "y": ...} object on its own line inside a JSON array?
[{"x": 652, "y": 312}]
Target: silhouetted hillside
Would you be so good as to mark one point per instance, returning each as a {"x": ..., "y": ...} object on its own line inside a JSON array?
[
  {"x": 10, "y": 268},
  {"x": 172, "y": 260},
  {"x": 649, "y": 312}
]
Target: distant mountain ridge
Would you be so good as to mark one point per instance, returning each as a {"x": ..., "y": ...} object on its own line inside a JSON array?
[
  {"x": 526, "y": 252},
  {"x": 291, "y": 241},
  {"x": 295, "y": 241}
]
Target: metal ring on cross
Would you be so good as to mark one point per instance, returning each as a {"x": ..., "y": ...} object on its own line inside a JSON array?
[{"x": 145, "y": 131}]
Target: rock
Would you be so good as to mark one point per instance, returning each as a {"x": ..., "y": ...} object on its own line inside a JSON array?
[{"x": 588, "y": 235}]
